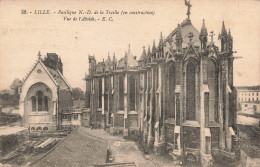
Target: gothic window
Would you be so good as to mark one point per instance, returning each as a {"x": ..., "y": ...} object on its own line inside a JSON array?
[
  {"x": 121, "y": 93},
  {"x": 190, "y": 91},
  {"x": 46, "y": 105},
  {"x": 100, "y": 93},
  {"x": 171, "y": 91},
  {"x": 39, "y": 95},
  {"x": 88, "y": 99},
  {"x": 213, "y": 89},
  {"x": 178, "y": 109},
  {"x": 206, "y": 108},
  {"x": 132, "y": 93},
  {"x": 157, "y": 78},
  {"x": 106, "y": 102},
  {"x": 149, "y": 80},
  {"x": 106, "y": 84},
  {"x": 33, "y": 103}
]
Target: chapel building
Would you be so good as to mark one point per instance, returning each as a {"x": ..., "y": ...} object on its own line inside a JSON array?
[{"x": 45, "y": 95}]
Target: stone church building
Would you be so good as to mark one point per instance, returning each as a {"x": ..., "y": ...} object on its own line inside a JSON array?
[
  {"x": 45, "y": 94},
  {"x": 178, "y": 95}
]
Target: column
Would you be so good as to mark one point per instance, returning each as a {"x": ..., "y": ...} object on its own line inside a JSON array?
[
  {"x": 145, "y": 136},
  {"x": 178, "y": 153},
  {"x": 126, "y": 107},
  {"x": 205, "y": 135},
  {"x": 159, "y": 144},
  {"x": 103, "y": 124},
  {"x": 151, "y": 123}
]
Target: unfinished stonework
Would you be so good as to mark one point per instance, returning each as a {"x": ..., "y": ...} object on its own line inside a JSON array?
[{"x": 179, "y": 93}]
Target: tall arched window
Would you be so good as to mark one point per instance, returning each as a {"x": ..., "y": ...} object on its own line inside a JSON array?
[
  {"x": 191, "y": 91},
  {"x": 132, "y": 92},
  {"x": 213, "y": 89},
  {"x": 121, "y": 93},
  {"x": 171, "y": 75},
  {"x": 39, "y": 95},
  {"x": 46, "y": 103},
  {"x": 157, "y": 77},
  {"x": 100, "y": 93},
  {"x": 33, "y": 103}
]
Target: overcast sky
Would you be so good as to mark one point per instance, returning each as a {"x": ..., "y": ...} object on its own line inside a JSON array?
[{"x": 22, "y": 36}]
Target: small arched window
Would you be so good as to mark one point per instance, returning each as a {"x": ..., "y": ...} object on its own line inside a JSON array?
[
  {"x": 46, "y": 105},
  {"x": 39, "y": 128},
  {"x": 33, "y": 103},
  {"x": 39, "y": 95}
]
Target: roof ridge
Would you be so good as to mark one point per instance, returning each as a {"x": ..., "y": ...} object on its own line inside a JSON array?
[
  {"x": 175, "y": 30},
  {"x": 65, "y": 80},
  {"x": 31, "y": 69},
  {"x": 47, "y": 71}
]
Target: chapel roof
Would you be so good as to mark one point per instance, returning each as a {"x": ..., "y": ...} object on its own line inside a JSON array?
[
  {"x": 128, "y": 60},
  {"x": 55, "y": 75}
]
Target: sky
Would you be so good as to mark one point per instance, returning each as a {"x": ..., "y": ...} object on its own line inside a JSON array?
[{"x": 23, "y": 36}]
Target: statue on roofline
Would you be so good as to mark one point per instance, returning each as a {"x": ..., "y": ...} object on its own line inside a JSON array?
[{"x": 187, "y": 3}]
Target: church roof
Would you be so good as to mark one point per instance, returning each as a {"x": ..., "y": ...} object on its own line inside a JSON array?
[
  {"x": 59, "y": 78},
  {"x": 55, "y": 75}
]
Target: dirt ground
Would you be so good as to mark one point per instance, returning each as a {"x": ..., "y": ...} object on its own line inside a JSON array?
[{"x": 127, "y": 151}]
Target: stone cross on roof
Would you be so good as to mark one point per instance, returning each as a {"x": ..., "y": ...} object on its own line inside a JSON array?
[{"x": 39, "y": 55}]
